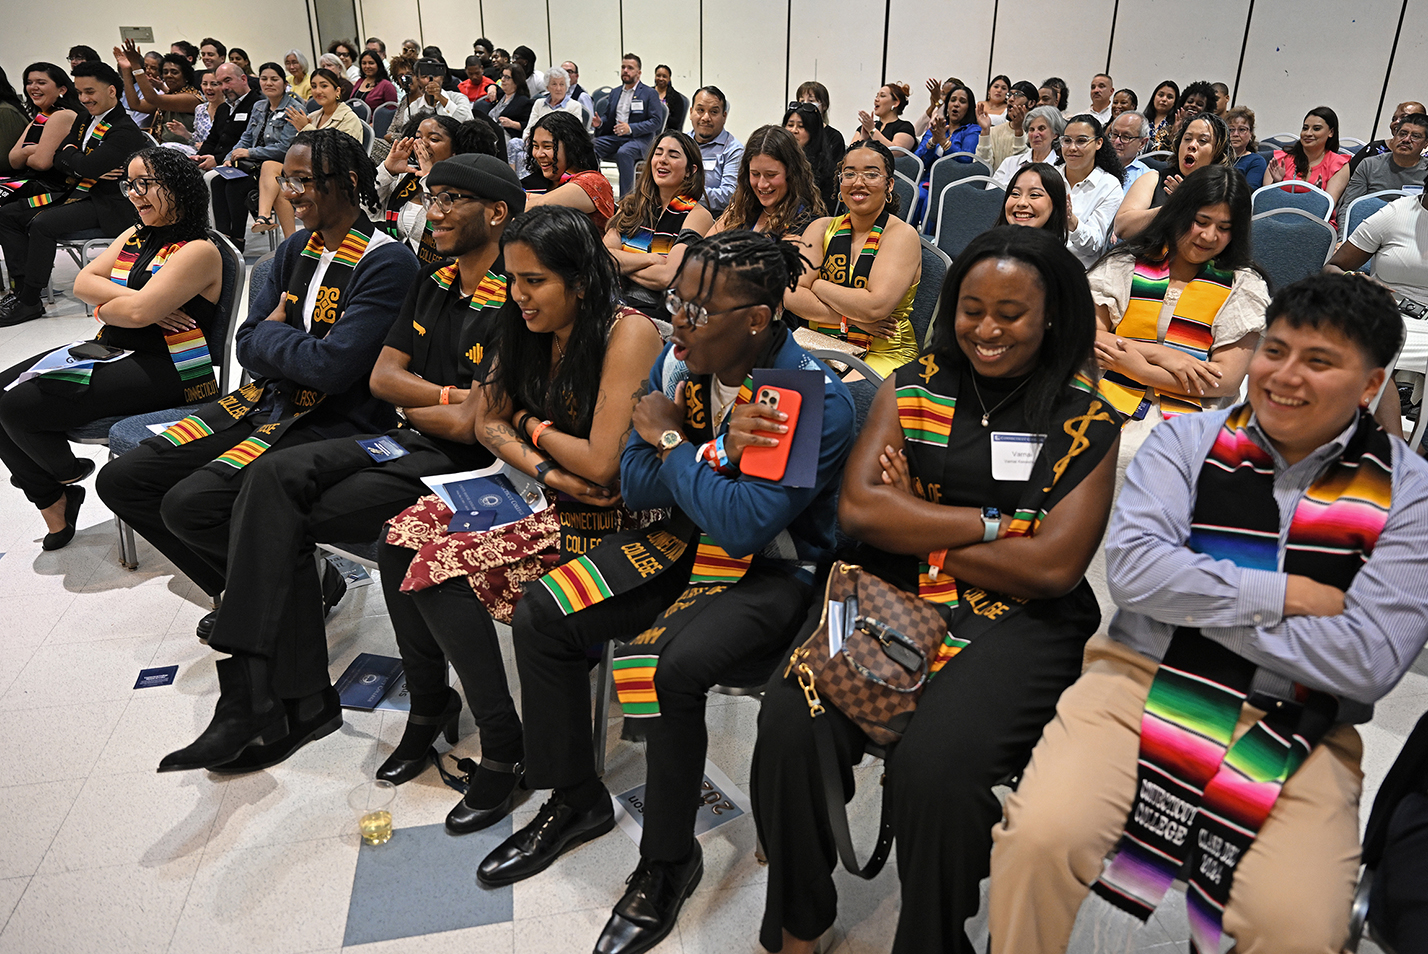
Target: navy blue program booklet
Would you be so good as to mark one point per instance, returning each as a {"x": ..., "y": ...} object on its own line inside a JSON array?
[{"x": 367, "y": 680}]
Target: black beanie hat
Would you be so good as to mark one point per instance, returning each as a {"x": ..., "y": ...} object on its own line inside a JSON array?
[{"x": 483, "y": 176}]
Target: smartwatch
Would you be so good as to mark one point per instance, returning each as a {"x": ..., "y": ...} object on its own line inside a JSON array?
[
  {"x": 991, "y": 523},
  {"x": 543, "y": 468}
]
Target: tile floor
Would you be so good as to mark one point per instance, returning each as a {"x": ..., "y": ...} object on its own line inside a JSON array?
[{"x": 107, "y": 855}]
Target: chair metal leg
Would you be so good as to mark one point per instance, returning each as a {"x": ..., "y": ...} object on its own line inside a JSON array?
[
  {"x": 128, "y": 554},
  {"x": 604, "y": 682}
]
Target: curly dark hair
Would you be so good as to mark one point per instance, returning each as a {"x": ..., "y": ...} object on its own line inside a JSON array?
[
  {"x": 764, "y": 265},
  {"x": 181, "y": 178},
  {"x": 564, "y": 241},
  {"x": 334, "y": 153},
  {"x": 470, "y": 136},
  {"x": 68, "y": 99},
  {"x": 894, "y": 201},
  {"x": 185, "y": 67},
  {"x": 569, "y": 132}
]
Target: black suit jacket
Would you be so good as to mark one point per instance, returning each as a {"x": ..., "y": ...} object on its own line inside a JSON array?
[
  {"x": 122, "y": 140},
  {"x": 228, "y": 126}
]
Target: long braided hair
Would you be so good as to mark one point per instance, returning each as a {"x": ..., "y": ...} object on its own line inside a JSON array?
[
  {"x": 765, "y": 267},
  {"x": 564, "y": 241},
  {"x": 334, "y": 154}
]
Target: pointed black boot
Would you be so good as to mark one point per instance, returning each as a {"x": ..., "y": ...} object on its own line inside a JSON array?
[{"x": 248, "y": 712}]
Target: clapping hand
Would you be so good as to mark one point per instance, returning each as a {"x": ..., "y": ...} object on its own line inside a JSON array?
[
  {"x": 984, "y": 118},
  {"x": 1015, "y": 115},
  {"x": 297, "y": 117},
  {"x": 865, "y": 119}
]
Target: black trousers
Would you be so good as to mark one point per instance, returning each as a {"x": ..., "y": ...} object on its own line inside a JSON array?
[
  {"x": 252, "y": 535},
  {"x": 34, "y": 416},
  {"x": 29, "y": 237},
  {"x": 976, "y": 722},
  {"x": 750, "y": 621},
  {"x": 230, "y": 205},
  {"x": 449, "y": 622}
]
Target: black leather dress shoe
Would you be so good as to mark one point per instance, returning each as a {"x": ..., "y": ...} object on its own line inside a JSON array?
[
  {"x": 325, "y": 719},
  {"x": 556, "y": 829},
  {"x": 647, "y": 912},
  {"x": 205, "y": 626},
  {"x": 15, "y": 312},
  {"x": 248, "y": 713}
]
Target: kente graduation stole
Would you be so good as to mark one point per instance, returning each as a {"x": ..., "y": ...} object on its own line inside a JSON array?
[
  {"x": 1084, "y": 427},
  {"x": 478, "y": 324},
  {"x": 296, "y": 400},
  {"x": 409, "y": 190},
  {"x": 1197, "y": 794},
  {"x": 84, "y": 185},
  {"x": 661, "y": 238},
  {"x": 840, "y": 268},
  {"x": 1188, "y": 331}
]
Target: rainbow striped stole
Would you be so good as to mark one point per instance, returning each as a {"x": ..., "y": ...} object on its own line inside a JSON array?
[
  {"x": 661, "y": 238},
  {"x": 84, "y": 185},
  {"x": 1199, "y": 795},
  {"x": 841, "y": 267},
  {"x": 1189, "y": 330}
]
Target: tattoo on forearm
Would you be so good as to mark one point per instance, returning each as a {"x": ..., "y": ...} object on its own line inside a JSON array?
[
  {"x": 499, "y": 434},
  {"x": 640, "y": 392}
]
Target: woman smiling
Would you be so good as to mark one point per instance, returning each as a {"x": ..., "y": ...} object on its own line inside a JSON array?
[
  {"x": 776, "y": 193},
  {"x": 1036, "y": 197}
]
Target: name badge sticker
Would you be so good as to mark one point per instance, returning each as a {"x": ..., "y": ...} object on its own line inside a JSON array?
[
  {"x": 637, "y": 107},
  {"x": 1014, "y": 453}
]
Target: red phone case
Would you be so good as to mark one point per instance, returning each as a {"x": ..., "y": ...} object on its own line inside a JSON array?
[{"x": 771, "y": 462}]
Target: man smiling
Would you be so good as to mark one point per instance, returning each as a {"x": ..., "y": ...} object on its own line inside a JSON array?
[
  {"x": 708, "y": 112},
  {"x": 1267, "y": 562}
]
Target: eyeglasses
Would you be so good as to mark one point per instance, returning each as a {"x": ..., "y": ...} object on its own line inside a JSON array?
[
  {"x": 697, "y": 314},
  {"x": 870, "y": 177},
  {"x": 1080, "y": 142},
  {"x": 296, "y": 184},
  {"x": 139, "y": 187},
  {"x": 444, "y": 201},
  {"x": 1411, "y": 136},
  {"x": 1120, "y": 137}
]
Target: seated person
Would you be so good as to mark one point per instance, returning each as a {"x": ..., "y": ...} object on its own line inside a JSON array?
[
  {"x": 708, "y": 114},
  {"x": 1036, "y": 197},
  {"x": 804, "y": 123},
  {"x": 998, "y": 143},
  {"x": 229, "y": 118},
  {"x": 334, "y": 65},
  {"x": 1240, "y": 628},
  {"x": 732, "y": 568},
  {"x": 564, "y": 168},
  {"x": 508, "y": 104},
  {"x": 1402, "y": 167},
  {"x": 776, "y": 192},
  {"x": 1124, "y": 101},
  {"x": 55, "y": 108},
  {"x": 401, "y": 178},
  {"x": 1198, "y": 97},
  {"x": 674, "y": 102},
  {"x": 1180, "y": 307},
  {"x": 1160, "y": 110},
  {"x": 653, "y": 226},
  {"x": 375, "y": 88},
  {"x": 1128, "y": 134},
  {"x": 885, "y": 123},
  {"x": 1202, "y": 141},
  {"x": 1393, "y": 240},
  {"x": 1043, "y": 126},
  {"x": 863, "y": 296},
  {"x": 157, "y": 284},
  {"x": 331, "y": 113},
  {"x": 998, "y": 99},
  {"x": 567, "y": 380},
  {"x": 426, "y": 95},
  {"x": 311, "y": 338},
  {"x": 1093, "y": 183},
  {"x": 1315, "y": 158},
  {"x": 557, "y": 85},
  {"x": 174, "y": 101},
  {"x": 632, "y": 115},
  {"x": 1244, "y": 148},
  {"x": 94, "y": 156},
  {"x": 265, "y": 139},
  {"x": 475, "y": 85},
  {"x": 953, "y": 129},
  {"x": 1380, "y": 146},
  {"x": 187, "y": 140},
  {"x": 1015, "y": 327},
  {"x": 298, "y": 82}
]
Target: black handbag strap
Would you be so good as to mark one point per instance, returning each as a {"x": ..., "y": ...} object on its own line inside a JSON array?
[{"x": 838, "y": 810}]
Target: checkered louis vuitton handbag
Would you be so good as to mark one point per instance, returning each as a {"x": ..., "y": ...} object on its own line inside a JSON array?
[{"x": 869, "y": 658}]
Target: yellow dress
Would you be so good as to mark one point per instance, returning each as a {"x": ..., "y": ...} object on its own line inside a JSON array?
[{"x": 885, "y": 355}]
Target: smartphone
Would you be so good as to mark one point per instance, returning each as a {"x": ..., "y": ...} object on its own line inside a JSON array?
[
  {"x": 94, "y": 351},
  {"x": 771, "y": 462}
]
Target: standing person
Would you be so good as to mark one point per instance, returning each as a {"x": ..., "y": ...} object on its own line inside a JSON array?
[
  {"x": 53, "y": 109},
  {"x": 296, "y": 65},
  {"x": 1403, "y": 166},
  {"x": 1315, "y": 156},
  {"x": 374, "y": 87},
  {"x": 864, "y": 265},
  {"x": 654, "y": 225},
  {"x": 776, "y": 191},
  {"x": 1129, "y": 132},
  {"x": 154, "y": 292},
  {"x": 93, "y": 157},
  {"x": 1380, "y": 146},
  {"x": 312, "y": 336},
  {"x": 562, "y": 157},
  {"x": 723, "y": 154},
  {"x": 569, "y": 377},
  {"x": 1201, "y": 141},
  {"x": 1102, "y": 86},
  {"x": 722, "y": 599},
  {"x": 1093, "y": 182},
  {"x": 1244, "y": 148},
  {"x": 885, "y": 123},
  {"x": 674, "y": 102},
  {"x": 1014, "y": 329},
  {"x": 1267, "y": 564},
  {"x": 633, "y": 114},
  {"x": 264, "y": 140}
]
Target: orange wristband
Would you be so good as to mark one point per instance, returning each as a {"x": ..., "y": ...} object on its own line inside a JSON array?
[
  {"x": 96, "y": 313},
  {"x": 935, "y": 561},
  {"x": 535, "y": 435},
  {"x": 446, "y": 395}
]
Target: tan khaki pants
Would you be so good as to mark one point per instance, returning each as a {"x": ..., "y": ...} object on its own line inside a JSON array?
[{"x": 1292, "y": 889}]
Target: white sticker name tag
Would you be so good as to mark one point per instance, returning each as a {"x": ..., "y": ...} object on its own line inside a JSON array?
[
  {"x": 1013, "y": 453},
  {"x": 637, "y": 107}
]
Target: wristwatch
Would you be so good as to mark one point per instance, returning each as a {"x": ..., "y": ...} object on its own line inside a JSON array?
[
  {"x": 670, "y": 439},
  {"x": 543, "y": 468},
  {"x": 991, "y": 523}
]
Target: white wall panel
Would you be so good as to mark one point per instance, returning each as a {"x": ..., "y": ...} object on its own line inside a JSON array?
[
  {"x": 392, "y": 21},
  {"x": 1205, "y": 46},
  {"x": 509, "y": 23},
  {"x": 588, "y": 32},
  {"x": 1408, "y": 80},
  {"x": 452, "y": 25},
  {"x": 1037, "y": 39},
  {"x": 839, "y": 43},
  {"x": 745, "y": 47},
  {"x": 940, "y": 40},
  {"x": 1337, "y": 56},
  {"x": 659, "y": 31}
]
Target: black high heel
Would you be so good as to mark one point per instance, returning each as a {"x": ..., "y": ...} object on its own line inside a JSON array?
[
  {"x": 423, "y": 729},
  {"x": 74, "y": 496}
]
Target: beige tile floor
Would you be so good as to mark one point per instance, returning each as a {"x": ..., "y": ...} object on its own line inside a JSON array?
[{"x": 104, "y": 854}]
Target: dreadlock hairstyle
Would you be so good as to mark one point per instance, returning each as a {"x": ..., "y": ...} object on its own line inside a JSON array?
[
  {"x": 68, "y": 99},
  {"x": 764, "y": 266},
  {"x": 182, "y": 179},
  {"x": 334, "y": 154},
  {"x": 570, "y": 137},
  {"x": 566, "y": 243},
  {"x": 1106, "y": 159},
  {"x": 644, "y": 204},
  {"x": 801, "y": 202},
  {"x": 893, "y": 200},
  {"x": 470, "y": 136}
]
